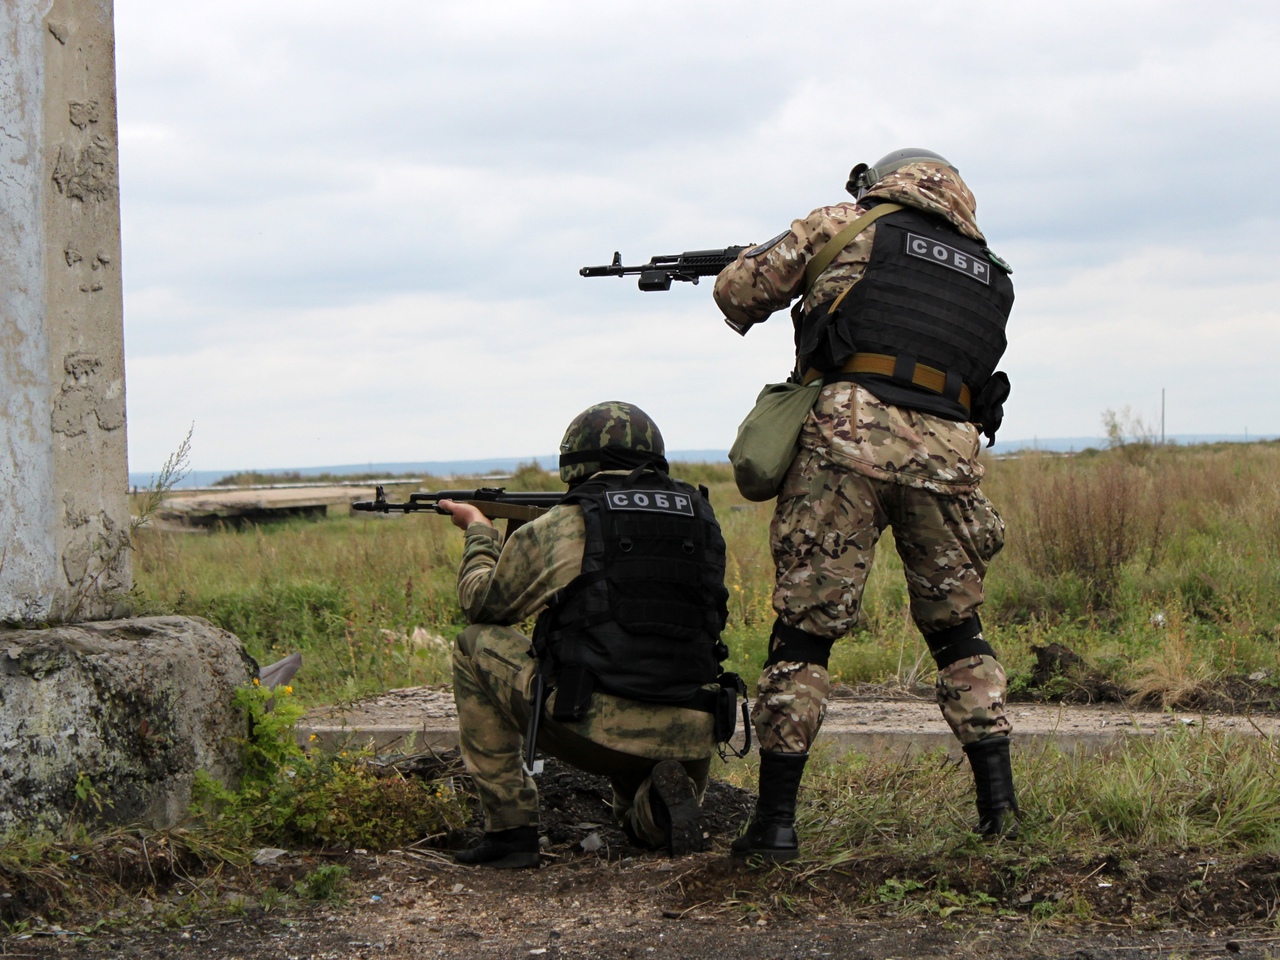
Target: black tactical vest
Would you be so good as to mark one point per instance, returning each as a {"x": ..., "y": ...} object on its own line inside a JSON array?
[
  {"x": 928, "y": 292},
  {"x": 643, "y": 618}
]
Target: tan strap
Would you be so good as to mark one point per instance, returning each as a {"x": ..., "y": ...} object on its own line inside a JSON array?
[
  {"x": 930, "y": 378},
  {"x": 922, "y": 376},
  {"x": 822, "y": 259}
]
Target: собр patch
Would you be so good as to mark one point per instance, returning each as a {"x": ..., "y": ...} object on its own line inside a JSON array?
[
  {"x": 657, "y": 501},
  {"x": 949, "y": 256}
]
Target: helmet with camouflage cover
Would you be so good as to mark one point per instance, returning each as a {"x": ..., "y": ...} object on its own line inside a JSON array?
[
  {"x": 617, "y": 433},
  {"x": 862, "y": 177}
]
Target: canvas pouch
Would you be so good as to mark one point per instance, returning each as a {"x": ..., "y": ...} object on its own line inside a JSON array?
[{"x": 768, "y": 437}]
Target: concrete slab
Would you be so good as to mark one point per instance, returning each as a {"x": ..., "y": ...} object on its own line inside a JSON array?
[
  {"x": 419, "y": 719},
  {"x": 250, "y": 505}
]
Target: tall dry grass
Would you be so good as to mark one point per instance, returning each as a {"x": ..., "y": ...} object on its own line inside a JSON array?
[
  {"x": 346, "y": 593},
  {"x": 1110, "y": 554}
]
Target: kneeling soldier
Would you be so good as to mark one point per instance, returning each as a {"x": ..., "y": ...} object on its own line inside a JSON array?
[{"x": 626, "y": 576}]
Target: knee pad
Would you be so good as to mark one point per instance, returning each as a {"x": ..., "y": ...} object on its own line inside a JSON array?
[
  {"x": 960, "y": 642},
  {"x": 793, "y": 645}
]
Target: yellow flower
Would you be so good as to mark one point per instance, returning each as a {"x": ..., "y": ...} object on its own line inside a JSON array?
[
  {"x": 312, "y": 737},
  {"x": 255, "y": 682},
  {"x": 288, "y": 689}
]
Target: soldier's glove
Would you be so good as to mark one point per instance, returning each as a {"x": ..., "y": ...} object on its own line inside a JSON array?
[{"x": 988, "y": 405}]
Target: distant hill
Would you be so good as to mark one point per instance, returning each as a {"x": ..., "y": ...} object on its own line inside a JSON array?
[
  {"x": 1075, "y": 444},
  {"x": 480, "y": 468},
  {"x": 436, "y": 468}
]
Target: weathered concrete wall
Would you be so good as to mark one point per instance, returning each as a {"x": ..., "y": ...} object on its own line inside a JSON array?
[
  {"x": 64, "y": 511},
  {"x": 134, "y": 706}
]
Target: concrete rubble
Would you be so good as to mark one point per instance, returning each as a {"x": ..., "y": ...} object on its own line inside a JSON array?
[{"x": 127, "y": 711}]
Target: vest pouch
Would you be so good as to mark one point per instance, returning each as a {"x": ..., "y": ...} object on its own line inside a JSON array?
[
  {"x": 767, "y": 439},
  {"x": 574, "y": 686},
  {"x": 667, "y": 608}
]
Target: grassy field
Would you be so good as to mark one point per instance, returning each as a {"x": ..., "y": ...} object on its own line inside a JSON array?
[{"x": 1159, "y": 566}]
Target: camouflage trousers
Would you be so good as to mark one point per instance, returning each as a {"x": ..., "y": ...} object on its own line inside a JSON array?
[
  {"x": 492, "y": 687},
  {"x": 825, "y": 529}
]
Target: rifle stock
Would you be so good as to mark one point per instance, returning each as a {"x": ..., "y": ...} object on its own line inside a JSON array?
[{"x": 493, "y": 502}]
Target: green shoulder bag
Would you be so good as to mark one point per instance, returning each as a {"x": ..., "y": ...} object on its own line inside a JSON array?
[{"x": 767, "y": 439}]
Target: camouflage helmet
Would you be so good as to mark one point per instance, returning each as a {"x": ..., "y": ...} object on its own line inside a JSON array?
[
  {"x": 613, "y": 424},
  {"x": 863, "y": 177}
]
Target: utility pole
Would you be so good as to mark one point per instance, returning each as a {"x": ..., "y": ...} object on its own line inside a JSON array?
[{"x": 1162, "y": 416}]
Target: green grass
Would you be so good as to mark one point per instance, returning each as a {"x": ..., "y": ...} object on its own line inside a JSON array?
[
  {"x": 1120, "y": 555},
  {"x": 1160, "y": 566},
  {"x": 890, "y": 835}
]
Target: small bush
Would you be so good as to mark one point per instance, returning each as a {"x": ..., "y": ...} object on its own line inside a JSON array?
[
  {"x": 293, "y": 798},
  {"x": 327, "y": 882}
]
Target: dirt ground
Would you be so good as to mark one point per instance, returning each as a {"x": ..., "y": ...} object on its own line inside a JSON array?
[
  {"x": 867, "y": 718},
  {"x": 597, "y": 896}
]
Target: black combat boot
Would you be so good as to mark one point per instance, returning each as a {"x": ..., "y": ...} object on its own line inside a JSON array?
[
  {"x": 771, "y": 834},
  {"x": 993, "y": 780},
  {"x": 673, "y": 798},
  {"x": 504, "y": 849}
]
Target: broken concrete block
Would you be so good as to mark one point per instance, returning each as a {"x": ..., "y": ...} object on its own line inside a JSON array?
[{"x": 130, "y": 708}]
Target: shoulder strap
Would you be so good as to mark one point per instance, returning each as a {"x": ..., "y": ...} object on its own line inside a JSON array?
[{"x": 822, "y": 259}]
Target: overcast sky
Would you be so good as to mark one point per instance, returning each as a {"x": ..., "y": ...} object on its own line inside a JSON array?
[{"x": 352, "y": 231}]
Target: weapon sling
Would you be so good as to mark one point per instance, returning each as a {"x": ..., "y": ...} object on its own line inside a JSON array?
[
  {"x": 822, "y": 259},
  {"x": 538, "y": 696}
]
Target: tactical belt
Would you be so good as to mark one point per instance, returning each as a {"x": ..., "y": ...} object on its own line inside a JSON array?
[{"x": 903, "y": 368}]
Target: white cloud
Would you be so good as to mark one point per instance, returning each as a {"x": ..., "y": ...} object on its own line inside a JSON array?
[
  {"x": 296, "y": 176},
  {"x": 428, "y": 377}
]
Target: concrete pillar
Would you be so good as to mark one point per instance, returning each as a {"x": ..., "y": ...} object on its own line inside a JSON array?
[{"x": 64, "y": 511}]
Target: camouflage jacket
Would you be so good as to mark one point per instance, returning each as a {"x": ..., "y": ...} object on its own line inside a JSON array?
[
  {"x": 849, "y": 424},
  {"x": 753, "y": 287},
  {"x": 508, "y": 583}
]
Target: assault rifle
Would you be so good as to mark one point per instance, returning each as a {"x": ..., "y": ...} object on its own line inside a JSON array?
[
  {"x": 493, "y": 502},
  {"x": 658, "y": 273}
]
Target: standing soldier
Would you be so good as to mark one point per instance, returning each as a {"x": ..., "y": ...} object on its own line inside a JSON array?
[
  {"x": 901, "y": 309},
  {"x": 626, "y": 577}
]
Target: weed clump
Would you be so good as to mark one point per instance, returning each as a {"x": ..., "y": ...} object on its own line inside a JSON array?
[
  {"x": 292, "y": 797},
  {"x": 287, "y": 797}
]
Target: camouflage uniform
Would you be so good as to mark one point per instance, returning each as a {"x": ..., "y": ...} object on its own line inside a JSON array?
[
  {"x": 863, "y": 465},
  {"x": 500, "y": 586}
]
